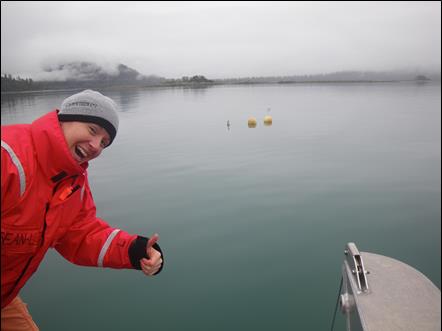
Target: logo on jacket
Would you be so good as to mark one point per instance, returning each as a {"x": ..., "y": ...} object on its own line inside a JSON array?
[{"x": 20, "y": 238}]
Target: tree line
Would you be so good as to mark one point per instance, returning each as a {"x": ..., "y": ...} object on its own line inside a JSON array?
[{"x": 10, "y": 83}]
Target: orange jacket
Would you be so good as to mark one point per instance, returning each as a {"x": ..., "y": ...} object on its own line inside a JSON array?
[{"x": 46, "y": 202}]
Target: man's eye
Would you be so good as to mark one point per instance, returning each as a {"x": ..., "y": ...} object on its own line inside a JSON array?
[
  {"x": 103, "y": 144},
  {"x": 92, "y": 129}
]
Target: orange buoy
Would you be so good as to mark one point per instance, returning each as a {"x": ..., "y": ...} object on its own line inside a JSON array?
[
  {"x": 252, "y": 122},
  {"x": 268, "y": 120}
]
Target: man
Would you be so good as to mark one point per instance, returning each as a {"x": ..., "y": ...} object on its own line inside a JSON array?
[{"x": 46, "y": 200}]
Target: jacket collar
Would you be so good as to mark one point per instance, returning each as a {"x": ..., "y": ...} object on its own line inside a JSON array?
[{"x": 51, "y": 149}]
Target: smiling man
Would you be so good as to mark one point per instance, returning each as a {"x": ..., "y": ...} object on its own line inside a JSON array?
[
  {"x": 89, "y": 122},
  {"x": 46, "y": 200}
]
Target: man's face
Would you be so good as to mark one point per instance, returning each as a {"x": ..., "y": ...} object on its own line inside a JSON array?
[{"x": 85, "y": 140}]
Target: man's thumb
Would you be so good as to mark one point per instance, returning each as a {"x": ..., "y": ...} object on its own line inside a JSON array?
[{"x": 152, "y": 241}]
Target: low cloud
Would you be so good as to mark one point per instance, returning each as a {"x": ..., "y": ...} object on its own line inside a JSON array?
[
  {"x": 219, "y": 40},
  {"x": 83, "y": 70}
]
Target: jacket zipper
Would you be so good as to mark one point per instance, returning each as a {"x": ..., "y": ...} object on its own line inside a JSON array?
[{"x": 43, "y": 232}]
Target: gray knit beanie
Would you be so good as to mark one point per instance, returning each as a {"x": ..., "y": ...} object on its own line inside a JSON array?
[{"x": 91, "y": 106}]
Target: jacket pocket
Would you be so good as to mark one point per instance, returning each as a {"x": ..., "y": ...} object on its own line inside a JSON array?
[{"x": 18, "y": 246}]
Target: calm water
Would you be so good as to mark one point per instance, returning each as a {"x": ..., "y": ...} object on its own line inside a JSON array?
[{"x": 252, "y": 222}]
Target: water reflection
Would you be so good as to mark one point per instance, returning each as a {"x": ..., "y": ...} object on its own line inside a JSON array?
[
  {"x": 197, "y": 91},
  {"x": 14, "y": 105},
  {"x": 16, "y": 101},
  {"x": 127, "y": 99}
]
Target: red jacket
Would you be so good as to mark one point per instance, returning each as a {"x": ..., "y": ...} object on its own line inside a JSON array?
[{"x": 46, "y": 202}]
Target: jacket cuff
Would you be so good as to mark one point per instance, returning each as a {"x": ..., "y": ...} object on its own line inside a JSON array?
[{"x": 137, "y": 251}]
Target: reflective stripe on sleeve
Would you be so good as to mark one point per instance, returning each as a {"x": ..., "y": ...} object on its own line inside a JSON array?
[
  {"x": 16, "y": 161},
  {"x": 82, "y": 192},
  {"x": 106, "y": 247}
]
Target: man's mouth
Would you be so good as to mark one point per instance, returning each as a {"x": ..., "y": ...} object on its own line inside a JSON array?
[{"x": 81, "y": 153}]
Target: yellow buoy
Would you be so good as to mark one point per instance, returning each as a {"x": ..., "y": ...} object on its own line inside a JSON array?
[
  {"x": 251, "y": 122},
  {"x": 268, "y": 120}
]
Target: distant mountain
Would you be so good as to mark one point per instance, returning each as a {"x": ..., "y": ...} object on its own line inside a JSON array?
[
  {"x": 81, "y": 74},
  {"x": 94, "y": 74}
]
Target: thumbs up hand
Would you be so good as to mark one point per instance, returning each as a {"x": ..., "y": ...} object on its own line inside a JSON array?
[{"x": 152, "y": 263}]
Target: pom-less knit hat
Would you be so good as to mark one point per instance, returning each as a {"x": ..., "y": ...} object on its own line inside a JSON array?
[{"x": 91, "y": 106}]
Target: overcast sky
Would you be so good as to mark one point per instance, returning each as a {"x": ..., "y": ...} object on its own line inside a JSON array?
[{"x": 222, "y": 39}]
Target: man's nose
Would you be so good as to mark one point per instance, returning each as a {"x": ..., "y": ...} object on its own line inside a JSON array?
[{"x": 95, "y": 143}]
